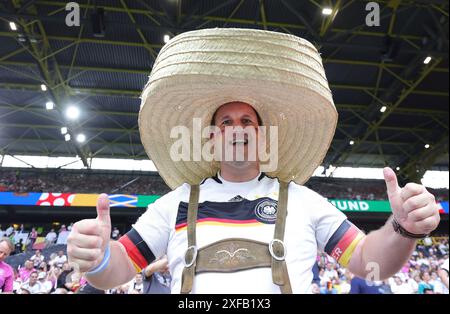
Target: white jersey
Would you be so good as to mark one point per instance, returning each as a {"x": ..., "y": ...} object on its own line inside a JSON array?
[{"x": 242, "y": 210}]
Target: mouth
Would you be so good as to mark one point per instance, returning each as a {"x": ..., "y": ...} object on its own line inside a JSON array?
[{"x": 239, "y": 142}]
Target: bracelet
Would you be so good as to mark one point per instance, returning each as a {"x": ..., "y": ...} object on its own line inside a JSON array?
[
  {"x": 402, "y": 231},
  {"x": 101, "y": 267}
]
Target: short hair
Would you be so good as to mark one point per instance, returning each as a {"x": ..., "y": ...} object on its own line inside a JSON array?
[
  {"x": 213, "y": 119},
  {"x": 8, "y": 242}
]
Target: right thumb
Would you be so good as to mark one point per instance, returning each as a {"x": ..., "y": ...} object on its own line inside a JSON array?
[{"x": 103, "y": 209}]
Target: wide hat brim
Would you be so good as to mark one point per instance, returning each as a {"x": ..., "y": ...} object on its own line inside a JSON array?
[{"x": 280, "y": 75}]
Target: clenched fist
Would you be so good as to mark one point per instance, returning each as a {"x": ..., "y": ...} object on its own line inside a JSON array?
[
  {"x": 89, "y": 238},
  {"x": 414, "y": 208}
]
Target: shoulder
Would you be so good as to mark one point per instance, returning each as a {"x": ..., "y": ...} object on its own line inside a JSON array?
[
  {"x": 306, "y": 197},
  {"x": 175, "y": 196},
  {"x": 304, "y": 192},
  {"x": 8, "y": 268}
]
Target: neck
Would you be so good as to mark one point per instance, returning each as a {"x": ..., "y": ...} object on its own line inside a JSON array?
[{"x": 239, "y": 172}]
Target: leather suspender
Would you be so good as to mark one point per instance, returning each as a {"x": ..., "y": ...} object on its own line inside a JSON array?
[
  {"x": 190, "y": 257},
  {"x": 251, "y": 253},
  {"x": 277, "y": 248}
]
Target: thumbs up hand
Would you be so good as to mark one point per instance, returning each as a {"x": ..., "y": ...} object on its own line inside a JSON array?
[
  {"x": 87, "y": 243},
  {"x": 413, "y": 207}
]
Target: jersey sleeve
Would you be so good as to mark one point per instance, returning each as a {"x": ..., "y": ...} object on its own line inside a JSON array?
[
  {"x": 343, "y": 242},
  {"x": 335, "y": 235},
  {"x": 149, "y": 236}
]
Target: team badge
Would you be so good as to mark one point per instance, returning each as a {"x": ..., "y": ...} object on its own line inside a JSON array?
[{"x": 266, "y": 211}]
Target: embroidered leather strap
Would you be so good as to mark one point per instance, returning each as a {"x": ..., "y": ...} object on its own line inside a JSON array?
[
  {"x": 235, "y": 254},
  {"x": 190, "y": 257},
  {"x": 231, "y": 255},
  {"x": 277, "y": 248}
]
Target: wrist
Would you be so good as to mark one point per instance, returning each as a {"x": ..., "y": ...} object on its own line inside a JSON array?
[
  {"x": 405, "y": 233},
  {"x": 103, "y": 264}
]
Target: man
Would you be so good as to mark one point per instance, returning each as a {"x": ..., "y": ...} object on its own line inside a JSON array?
[
  {"x": 137, "y": 285},
  {"x": 9, "y": 231},
  {"x": 156, "y": 277},
  {"x": 225, "y": 227},
  {"x": 37, "y": 258},
  {"x": 26, "y": 271},
  {"x": 6, "y": 271},
  {"x": 62, "y": 278},
  {"x": 60, "y": 259},
  {"x": 51, "y": 237},
  {"x": 33, "y": 286},
  {"x": 45, "y": 283}
]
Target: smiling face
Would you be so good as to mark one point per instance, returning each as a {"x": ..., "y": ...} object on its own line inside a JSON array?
[
  {"x": 33, "y": 278},
  {"x": 5, "y": 250},
  {"x": 238, "y": 124}
]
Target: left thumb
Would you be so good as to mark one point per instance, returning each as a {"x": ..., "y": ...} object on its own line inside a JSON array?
[{"x": 391, "y": 181}]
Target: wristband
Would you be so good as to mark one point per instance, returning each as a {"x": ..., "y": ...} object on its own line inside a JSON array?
[
  {"x": 101, "y": 267},
  {"x": 402, "y": 231}
]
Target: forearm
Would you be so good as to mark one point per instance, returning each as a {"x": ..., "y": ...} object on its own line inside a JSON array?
[
  {"x": 120, "y": 270},
  {"x": 149, "y": 271},
  {"x": 381, "y": 253}
]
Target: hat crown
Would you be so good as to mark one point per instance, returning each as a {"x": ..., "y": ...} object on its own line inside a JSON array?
[{"x": 280, "y": 75}]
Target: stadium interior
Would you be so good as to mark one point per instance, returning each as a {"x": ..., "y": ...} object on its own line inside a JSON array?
[{"x": 73, "y": 93}]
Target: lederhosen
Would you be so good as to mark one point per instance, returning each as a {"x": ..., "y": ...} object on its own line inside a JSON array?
[{"x": 255, "y": 254}]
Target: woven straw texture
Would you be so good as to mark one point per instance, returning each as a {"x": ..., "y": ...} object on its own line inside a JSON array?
[{"x": 280, "y": 75}]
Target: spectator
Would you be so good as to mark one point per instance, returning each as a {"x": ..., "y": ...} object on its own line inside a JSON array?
[
  {"x": 62, "y": 280},
  {"x": 19, "y": 247},
  {"x": 400, "y": 287},
  {"x": 52, "y": 259},
  {"x": 42, "y": 266},
  {"x": 32, "y": 238},
  {"x": 37, "y": 258},
  {"x": 51, "y": 237},
  {"x": 443, "y": 273},
  {"x": 74, "y": 281},
  {"x": 46, "y": 284},
  {"x": 414, "y": 283},
  {"x": 439, "y": 287},
  {"x": 33, "y": 285},
  {"x": 330, "y": 273},
  {"x": 362, "y": 286},
  {"x": 425, "y": 286},
  {"x": 26, "y": 271},
  {"x": 9, "y": 231},
  {"x": 60, "y": 259},
  {"x": 115, "y": 233},
  {"x": 53, "y": 275},
  {"x": 62, "y": 236},
  {"x": 136, "y": 285},
  {"x": 6, "y": 271},
  {"x": 156, "y": 277}
]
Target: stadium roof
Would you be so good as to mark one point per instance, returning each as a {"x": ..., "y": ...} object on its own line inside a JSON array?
[{"x": 367, "y": 68}]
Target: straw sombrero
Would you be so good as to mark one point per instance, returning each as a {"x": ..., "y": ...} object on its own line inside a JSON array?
[{"x": 280, "y": 75}]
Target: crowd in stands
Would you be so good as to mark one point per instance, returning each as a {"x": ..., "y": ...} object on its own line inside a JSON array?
[
  {"x": 420, "y": 275},
  {"x": 48, "y": 271},
  {"x": 87, "y": 182},
  {"x": 64, "y": 182}
]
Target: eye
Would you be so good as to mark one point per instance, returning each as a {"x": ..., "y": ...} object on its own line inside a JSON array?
[
  {"x": 246, "y": 121},
  {"x": 226, "y": 122}
]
